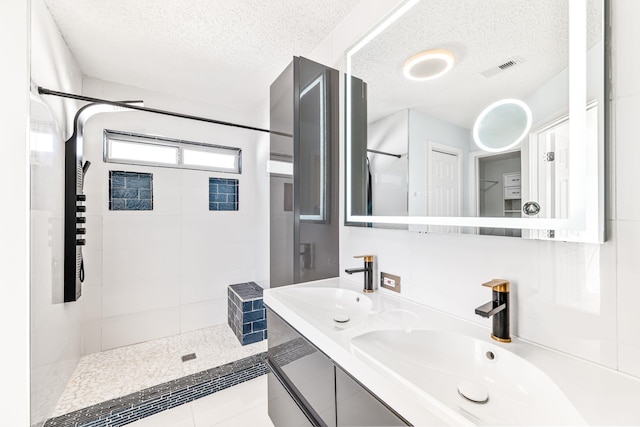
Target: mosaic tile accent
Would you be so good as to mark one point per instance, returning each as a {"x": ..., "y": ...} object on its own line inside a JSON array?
[
  {"x": 246, "y": 314},
  {"x": 130, "y": 191},
  {"x": 223, "y": 194},
  {"x": 115, "y": 373},
  {"x": 135, "y": 406}
]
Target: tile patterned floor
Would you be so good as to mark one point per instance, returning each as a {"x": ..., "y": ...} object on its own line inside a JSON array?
[
  {"x": 118, "y": 372},
  {"x": 241, "y": 405}
]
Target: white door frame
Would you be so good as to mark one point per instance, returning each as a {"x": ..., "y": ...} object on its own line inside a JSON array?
[{"x": 446, "y": 149}]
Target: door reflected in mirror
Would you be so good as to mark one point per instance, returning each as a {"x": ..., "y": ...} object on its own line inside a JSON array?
[{"x": 441, "y": 154}]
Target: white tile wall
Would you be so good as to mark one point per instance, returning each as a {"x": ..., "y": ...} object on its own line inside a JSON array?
[
  {"x": 203, "y": 314},
  {"x": 626, "y": 91},
  {"x": 139, "y": 327},
  {"x": 625, "y": 42},
  {"x": 629, "y": 296},
  {"x": 179, "y": 258},
  {"x": 91, "y": 336},
  {"x": 140, "y": 279},
  {"x": 627, "y": 155}
]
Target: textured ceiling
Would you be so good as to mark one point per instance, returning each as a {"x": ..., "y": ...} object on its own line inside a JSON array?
[
  {"x": 482, "y": 34},
  {"x": 219, "y": 51}
]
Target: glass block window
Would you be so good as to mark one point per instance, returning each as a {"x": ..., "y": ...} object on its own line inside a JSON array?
[
  {"x": 223, "y": 194},
  {"x": 130, "y": 191}
]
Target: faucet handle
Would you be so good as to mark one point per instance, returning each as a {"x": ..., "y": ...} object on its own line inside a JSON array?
[
  {"x": 498, "y": 285},
  {"x": 367, "y": 258}
]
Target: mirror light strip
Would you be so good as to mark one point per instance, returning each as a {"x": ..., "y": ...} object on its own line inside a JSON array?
[
  {"x": 378, "y": 28},
  {"x": 577, "y": 111}
]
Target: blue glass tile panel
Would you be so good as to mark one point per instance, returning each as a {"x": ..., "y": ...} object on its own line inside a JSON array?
[
  {"x": 259, "y": 325},
  {"x": 223, "y": 194},
  {"x": 252, "y": 338},
  {"x": 246, "y": 312},
  {"x": 253, "y": 315},
  {"x": 130, "y": 191}
]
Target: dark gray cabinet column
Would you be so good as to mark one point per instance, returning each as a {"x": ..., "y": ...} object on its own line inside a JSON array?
[{"x": 304, "y": 207}]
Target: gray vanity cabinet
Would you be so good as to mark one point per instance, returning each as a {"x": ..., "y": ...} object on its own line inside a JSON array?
[
  {"x": 283, "y": 409},
  {"x": 304, "y": 373},
  {"x": 355, "y": 406},
  {"x": 306, "y": 388}
]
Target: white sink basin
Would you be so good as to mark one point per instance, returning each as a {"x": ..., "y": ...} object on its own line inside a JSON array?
[
  {"x": 444, "y": 365},
  {"x": 328, "y": 308}
]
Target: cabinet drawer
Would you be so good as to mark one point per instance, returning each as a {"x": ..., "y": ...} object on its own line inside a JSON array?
[
  {"x": 283, "y": 409},
  {"x": 511, "y": 179},
  {"x": 305, "y": 368},
  {"x": 355, "y": 406},
  {"x": 512, "y": 193}
]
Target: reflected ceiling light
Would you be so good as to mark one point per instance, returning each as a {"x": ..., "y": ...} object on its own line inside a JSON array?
[
  {"x": 429, "y": 64},
  {"x": 502, "y": 125}
]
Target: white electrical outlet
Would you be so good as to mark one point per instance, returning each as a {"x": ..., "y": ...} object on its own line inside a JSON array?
[{"x": 390, "y": 281}]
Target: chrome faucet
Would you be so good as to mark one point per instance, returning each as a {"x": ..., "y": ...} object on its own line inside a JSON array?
[
  {"x": 498, "y": 308},
  {"x": 367, "y": 270}
]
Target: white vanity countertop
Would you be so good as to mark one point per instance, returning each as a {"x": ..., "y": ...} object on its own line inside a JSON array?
[{"x": 601, "y": 395}]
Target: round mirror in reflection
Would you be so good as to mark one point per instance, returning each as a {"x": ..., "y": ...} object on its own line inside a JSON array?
[{"x": 502, "y": 125}]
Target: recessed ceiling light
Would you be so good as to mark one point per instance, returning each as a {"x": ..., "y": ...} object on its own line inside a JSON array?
[{"x": 429, "y": 64}]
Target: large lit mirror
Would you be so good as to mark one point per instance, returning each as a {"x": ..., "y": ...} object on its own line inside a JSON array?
[{"x": 483, "y": 117}]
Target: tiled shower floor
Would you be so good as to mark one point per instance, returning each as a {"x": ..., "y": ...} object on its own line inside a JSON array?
[{"x": 118, "y": 372}]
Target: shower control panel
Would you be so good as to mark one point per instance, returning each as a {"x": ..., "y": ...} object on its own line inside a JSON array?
[{"x": 80, "y": 209}]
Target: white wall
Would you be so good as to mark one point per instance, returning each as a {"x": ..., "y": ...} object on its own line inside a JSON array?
[
  {"x": 55, "y": 326},
  {"x": 625, "y": 203},
  {"x": 14, "y": 228},
  {"x": 578, "y": 298},
  {"x": 152, "y": 274}
]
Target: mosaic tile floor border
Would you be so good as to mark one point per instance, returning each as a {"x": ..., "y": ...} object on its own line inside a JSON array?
[
  {"x": 138, "y": 405},
  {"x": 119, "y": 372}
]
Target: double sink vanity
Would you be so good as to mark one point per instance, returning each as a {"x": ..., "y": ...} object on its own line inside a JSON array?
[
  {"x": 339, "y": 356},
  {"x": 447, "y": 151}
]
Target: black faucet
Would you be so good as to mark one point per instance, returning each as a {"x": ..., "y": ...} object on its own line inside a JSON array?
[
  {"x": 498, "y": 307},
  {"x": 367, "y": 270}
]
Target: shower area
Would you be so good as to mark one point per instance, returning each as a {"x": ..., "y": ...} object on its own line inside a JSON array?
[
  {"x": 149, "y": 235},
  {"x": 170, "y": 213}
]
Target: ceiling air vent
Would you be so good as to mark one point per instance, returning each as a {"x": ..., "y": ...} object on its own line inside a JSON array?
[{"x": 504, "y": 66}]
